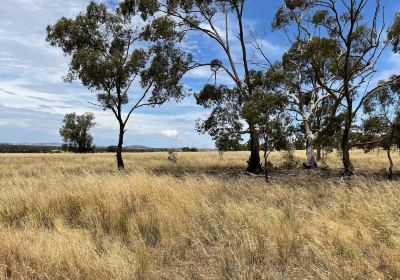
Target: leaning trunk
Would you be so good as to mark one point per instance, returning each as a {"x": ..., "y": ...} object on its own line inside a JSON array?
[
  {"x": 120, "y": 161},
  {"x": 390, "y": 163},
  {"x": 348, "y": 168},
  {"x": 253, "y": 164}
]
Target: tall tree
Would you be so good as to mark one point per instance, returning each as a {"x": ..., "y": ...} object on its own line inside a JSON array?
[
  {"x": 358, "y": 44},
  {"x": 108, "y": 57},
  {"x": 311, "y": 105},
  {"x": 218, "y": 20},
  {"x": 75, "y": 132}
]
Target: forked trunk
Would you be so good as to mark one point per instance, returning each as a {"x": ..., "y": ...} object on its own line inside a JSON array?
[
  {"x": 120, "y": 161},
  {"x": 253, "y": 164},
  {"x": 390, "y": 163}
]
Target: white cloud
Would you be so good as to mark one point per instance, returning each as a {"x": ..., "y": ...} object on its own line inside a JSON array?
[{"x": 170, "y": 133}]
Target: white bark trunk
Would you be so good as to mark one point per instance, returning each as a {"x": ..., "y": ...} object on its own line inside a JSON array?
[{"x": 310, "y": 162}]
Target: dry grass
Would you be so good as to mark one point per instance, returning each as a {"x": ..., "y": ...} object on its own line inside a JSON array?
[{"x": 73, "y": 217}]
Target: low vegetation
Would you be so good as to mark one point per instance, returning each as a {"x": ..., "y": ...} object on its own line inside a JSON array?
[{"x": 73, "y": 216}]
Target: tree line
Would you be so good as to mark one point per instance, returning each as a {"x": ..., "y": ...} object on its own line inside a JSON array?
[{"x": 321, "y": 93}]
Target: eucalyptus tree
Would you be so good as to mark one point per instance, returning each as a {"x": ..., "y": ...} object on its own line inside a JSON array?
[
  {"x": 75, "y": 132},
  {"x": 222, "y": 21},
  {"x": 381, "y": 125},
  {"x": 229, "y": 110},
  {"x": 393, "y": 35},
  {"x": 126, "y": 55},
  {"x": 309, "y": 103},
  {"x": 267, "y": 109},
  {"x": 358, "y": 44},
  {"x": 224, "y": 121}
]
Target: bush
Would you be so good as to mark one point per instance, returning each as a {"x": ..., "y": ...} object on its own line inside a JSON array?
[
  {"x": 187, "y": 149},
  {"x": 172, "y": 156},
  {"x": 289, "y": 160}
]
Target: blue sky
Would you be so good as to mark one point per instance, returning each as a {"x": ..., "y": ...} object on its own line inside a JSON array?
[{"x": 34, "y": 98}]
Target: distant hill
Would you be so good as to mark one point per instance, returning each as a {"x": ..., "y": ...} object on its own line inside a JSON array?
[
  {"x": 56, "y": 147},
  {"x": 53, "y": 144},
  {"x": 30, "y": 148},
  {"x": 140, "y": 147}
]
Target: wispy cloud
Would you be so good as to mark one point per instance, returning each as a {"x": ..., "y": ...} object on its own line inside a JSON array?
[{"x": 33, "y": 97}]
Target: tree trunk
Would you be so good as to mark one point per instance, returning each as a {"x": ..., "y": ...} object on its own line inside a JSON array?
[
  {"x": 310, "y": 142},
  {"x": 348, "y": 168},
  {"x": 390, "y": 164},
  {"x": 253, "y": 164},
  {"x": 120, "y": 161},
  {"x": 319, "y": 152},
  {"x": 310, "y": 158},
  {"x": 266, "y": 153},
  {"x": 266, "y": 168}
]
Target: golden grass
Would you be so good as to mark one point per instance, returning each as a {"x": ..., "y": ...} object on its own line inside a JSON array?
[{"x": 67, "y": 216}]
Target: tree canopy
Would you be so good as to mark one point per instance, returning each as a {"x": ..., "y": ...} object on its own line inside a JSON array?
[
  {"x": 75, "y": 132},
  {"x": 113, "y": 50}
]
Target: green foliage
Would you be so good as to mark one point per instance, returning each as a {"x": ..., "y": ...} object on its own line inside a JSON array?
[
  {"x": 289, "y": 160},
  {"x": 188, "y": 149},
  {"x": 335, "y": 50},
  {"x": 229, "y": 107},
  {"x": 261, "y": 104},
  {"x": 381, "y": 127},
  {"x": 223, "y": 123},
  {"x": 318, "y": 54},
  {"x": 393, "y": 34},
  {"x": 144, "y": 8},
  {"x": 101, "y": 43},
  {"x": 107, "y": 56},
  {"x": 320, "y": 17},
  {"x": 75, "y": 132},
  {"x": 297, "y": 4}
]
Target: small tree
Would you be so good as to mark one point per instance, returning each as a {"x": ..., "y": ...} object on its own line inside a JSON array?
[
  {"x": 108, "y": 57},
  {"x": 75, "y": 132},
  {"x": 381, "y": 128},
  {"x": 274, "y": 129}
]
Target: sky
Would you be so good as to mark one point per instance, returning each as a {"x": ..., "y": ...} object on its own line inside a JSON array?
[{"x": 34, "y": 98}]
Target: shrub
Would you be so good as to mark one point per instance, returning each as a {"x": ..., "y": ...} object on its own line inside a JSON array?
[
  {"x": 289, "y": 160},
  {"x": 172, "y": 157}
]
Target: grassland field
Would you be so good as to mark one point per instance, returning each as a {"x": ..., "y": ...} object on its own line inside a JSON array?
[{"x": 68, "y": 216}]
